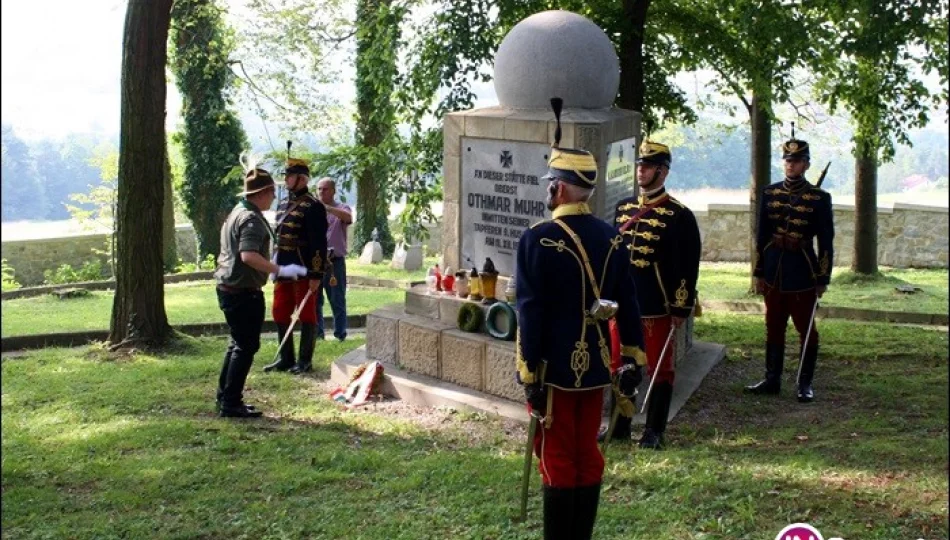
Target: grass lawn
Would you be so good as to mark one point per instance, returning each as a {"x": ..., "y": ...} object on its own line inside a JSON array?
[
  {"x": 730, "y": 281},
  {"x": 384, "y": 271},
  {"x": 100, "y": 446},
  {"x": 189, "y": 302},
  {"x": 195, "y": 302}
]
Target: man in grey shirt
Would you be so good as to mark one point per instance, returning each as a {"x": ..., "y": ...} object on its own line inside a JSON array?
[{"x": 242, "y": 271}]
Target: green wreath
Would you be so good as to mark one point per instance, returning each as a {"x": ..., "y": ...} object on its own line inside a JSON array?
[
  {"x": 470, "y": 317},
  {"x": 509, "y": 314}
]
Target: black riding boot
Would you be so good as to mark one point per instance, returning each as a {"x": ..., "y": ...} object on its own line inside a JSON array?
[
  {"x": 286, "y": 360},
  {"x": 622, "y": 427},
  {"x": 774, "y": 363},
  {"x": 657, "y": 413},
  {"x": 805, "y": 392},
  {"x": 308, "y": 339},
  {"x": 586, "y": 500},
  {"x": 558, "y": 513}
]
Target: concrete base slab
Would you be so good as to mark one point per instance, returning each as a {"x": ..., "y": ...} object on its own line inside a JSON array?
[
  {"x": 428, "y": 391},
  {"x": 699, "y": 361},
  {"x": 431, "y": 392}
]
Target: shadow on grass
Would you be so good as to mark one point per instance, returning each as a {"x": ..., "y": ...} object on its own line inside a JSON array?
[{"x": 131, "y": 448}]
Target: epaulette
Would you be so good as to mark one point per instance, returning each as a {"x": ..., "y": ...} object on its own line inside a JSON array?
[{"x": 675, "y": 201}]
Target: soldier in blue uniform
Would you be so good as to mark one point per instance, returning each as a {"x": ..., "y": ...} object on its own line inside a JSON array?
[
  {"x": 789, "y": 271},
  {"x": 301, "y": 239},
  {"x": 662, "y": 246},
  {"x": 571, "y": 278}
]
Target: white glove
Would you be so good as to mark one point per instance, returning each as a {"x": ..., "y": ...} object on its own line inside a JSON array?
[{"x": 292, "y": 271}]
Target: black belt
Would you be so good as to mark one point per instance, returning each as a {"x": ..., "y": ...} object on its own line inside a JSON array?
[
  {"x": 230, "y": 289},
  {"x": 786, "y": 242}
]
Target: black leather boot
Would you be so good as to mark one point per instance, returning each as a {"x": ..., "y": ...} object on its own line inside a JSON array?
[
  {"x": 774, "y": 363},
  {"x": 286, "y": 360},
  {"x": 558, "y": 513},
  {"x": 586, "y": 500},
  {"x": 805, "y": 392},
  {"x": 657, "y": 413},
  {"x": 308, "y": 339}
]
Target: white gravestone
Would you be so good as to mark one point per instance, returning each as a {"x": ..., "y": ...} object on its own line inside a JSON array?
[
  {"x": 407, "y": 259},
  {"x": 372, "y": 253}
]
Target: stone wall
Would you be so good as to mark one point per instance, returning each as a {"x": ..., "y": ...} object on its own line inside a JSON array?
[
  {"x": 908, "y": 235},
  {"x": 30, "y": 258}
]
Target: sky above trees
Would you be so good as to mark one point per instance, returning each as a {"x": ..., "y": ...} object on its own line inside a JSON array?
[{"x": 62, "y": 77}]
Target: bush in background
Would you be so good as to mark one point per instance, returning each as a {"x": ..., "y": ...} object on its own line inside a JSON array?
[
  {"x": 209, "y": 263},
  {"x": 89, "y": 271},
  {"x": 9, "y": 281}
]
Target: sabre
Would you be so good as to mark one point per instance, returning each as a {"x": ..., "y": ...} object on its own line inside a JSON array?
[
  {"x": 814, "y": 308},
  {"x": 656, "y": 370},
  {"x": 529, "y": 455},
  {"x": 801, "y": 359},
  {"x": 293, "y": 321},
  {"x": 823, "y": 173}
]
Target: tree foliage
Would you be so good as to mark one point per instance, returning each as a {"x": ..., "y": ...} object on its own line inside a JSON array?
[
  {"x": 872, "y": 64},
  {"x": 95, "y": 208},
  {"x": 212, "y": 137},
  {"x": 287, "y": 59}
]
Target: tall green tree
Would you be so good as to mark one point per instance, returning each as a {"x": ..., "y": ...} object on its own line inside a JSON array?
[
  {"x": 377, "y": 45},
  {"x": 212, "y": 137},
  {"x": 138, "y": 310},
  {"x": 753, "y": 47},
  {"x": 872, "y": 65},
  {"x": 169, "y": 242}
]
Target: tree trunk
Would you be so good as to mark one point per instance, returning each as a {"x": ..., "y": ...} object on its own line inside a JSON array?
[
  {"x": 761, "y": 168},
  {"x": 375, "y": 117},
  {"x": 138, "y": 312},
  {"x": 169, "y": 246},
  {"x": 865, "y": 210},
  {"x": 631, "y": 55}
]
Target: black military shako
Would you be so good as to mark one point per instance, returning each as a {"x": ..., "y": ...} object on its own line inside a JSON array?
[
  {"x": 663, "y": 249},
  {"x": 302, "y": 233},
  {"x": 792, "y": 214}
]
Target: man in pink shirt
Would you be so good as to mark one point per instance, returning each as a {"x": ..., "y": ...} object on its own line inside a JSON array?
[{"x": 339, "y": 218}]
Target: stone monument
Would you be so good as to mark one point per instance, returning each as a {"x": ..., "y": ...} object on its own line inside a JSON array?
[
  {"x": 372, "y": 251},
  {"x": 493, "y": 160}
]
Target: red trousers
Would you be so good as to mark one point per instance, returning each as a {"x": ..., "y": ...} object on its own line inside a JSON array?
[
  {"x": 655, "y": 332},
  {"x": 779, "y": 305},
  {"x": 568, "y": 451},
  {"x": 287, "y": 295}
]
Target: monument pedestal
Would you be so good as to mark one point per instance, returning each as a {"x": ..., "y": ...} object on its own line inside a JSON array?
[{"x": 429, "y": 361}]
